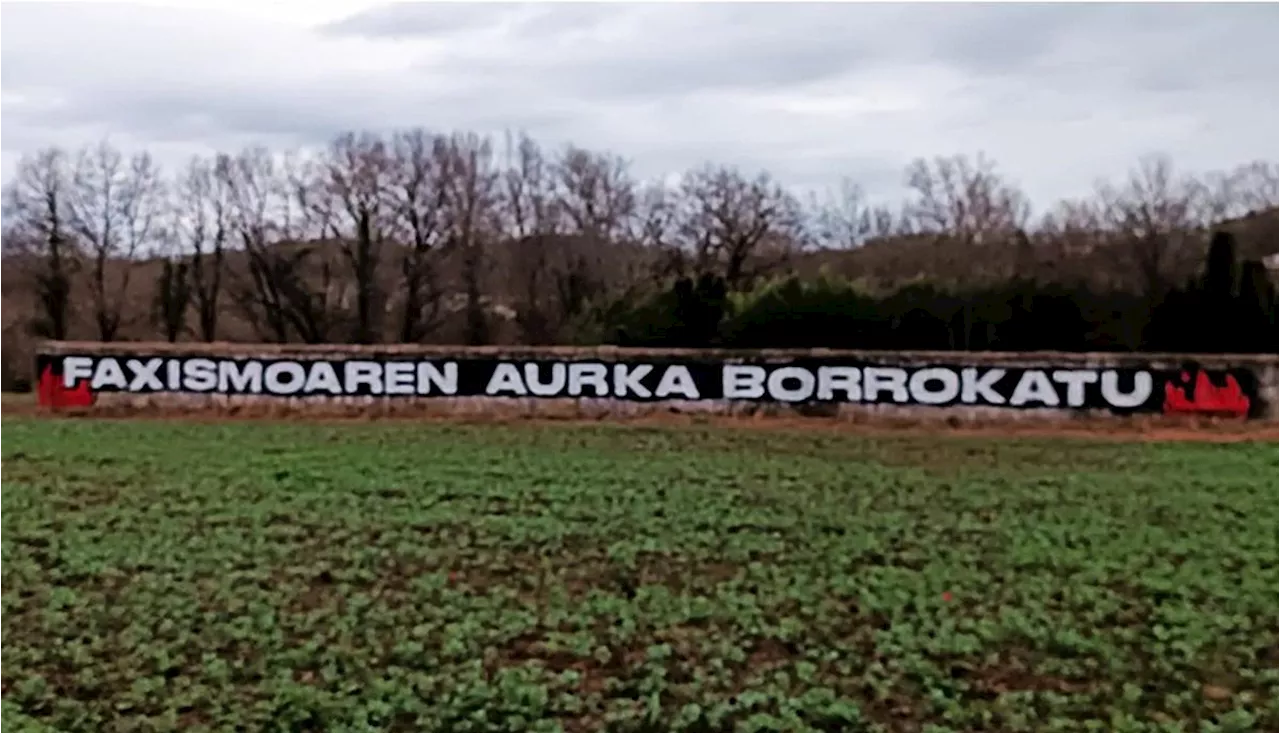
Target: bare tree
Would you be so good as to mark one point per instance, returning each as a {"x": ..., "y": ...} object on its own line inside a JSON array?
[
  {"x": 1257, "y": 185},
  {"x": 172, "y": 297},
  {"x": 1156, "y": 213},
  {"x": 471, "y": 186},
  {"x": 848, "y": 219},
  {"x": 314, "y": 289},
  {"x": 115, "y": 208},
  {"x": 1071, "y": 235},
  {"x": 270, "y": 214},
  {"x": 571, "y": 217},
  {"x": 37, "y": 229},
  {"x": 1081, "y": 223},
  {"x": 962, "y": 200},
  {"x": 599, "y": 198},
  {"x": 254, "y": 189},
  {"x": 654, "y": 251},
  {"x": 532, "y": 219},
  {"x": 1218, "y": 197},
  {"x": 419, "y": 199},
  {"x": 202, "y": 219},
  {"x": 655, "y": 223},
  {"x": 351, "y": 197},
  {"x": 735, "y": 227},
  {"x": 530, "y": 203},
  {"x": 595, "y": 193},
  {"x": 963, "y": 204},
  {"x": 1256, "y": 189}
]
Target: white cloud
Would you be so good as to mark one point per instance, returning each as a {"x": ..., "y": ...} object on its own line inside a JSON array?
[{"x": 1058, "y": 94}]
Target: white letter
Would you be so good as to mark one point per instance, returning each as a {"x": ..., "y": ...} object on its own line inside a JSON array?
[
  {"x": 144, "y": 375},
  {"x": 845, "y": 379},
  {"x": 446, "y": 381},
  {"x": 596, "y": 375},
  {"x": 323, "y": 377},
  {"x": 273, "y": 377},
  {"x": 919, "y": 386},
  {"x": 356, "y": 373},
  {"x": 200, "y": 375},
  {"x": 247, "y": 378},
  {"x": 1075, "y": 379},
  {"x": 1112, "y": 394},
  {"x": 173, "y": 370},
  {"x": 742, "y": 381},
  {"x": 107, "y": 373},
  {"x": 876, "y": 379},
  {"x": 506, "y": 378},
  {"x": 800, "y": 393},
  {"x": 75, "y": 368},
  {"x": 400, "y": 377},
  {"x": 550, "y": 389},
  {"x": 1034, "y": 385},
  {"x": 625, "y": 381},
  {"x": 971, "y": 387},
  {"x": 677, "y": 379}
]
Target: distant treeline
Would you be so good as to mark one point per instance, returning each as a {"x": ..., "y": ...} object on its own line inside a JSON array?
[
  {"x": 1230, "y": 308},
  {"x": 419, "y": 236}
]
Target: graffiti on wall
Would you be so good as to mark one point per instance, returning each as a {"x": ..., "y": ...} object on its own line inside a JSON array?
[
  {"x": 74, "y": 380},
  {"x": 1185, "y": 393}
]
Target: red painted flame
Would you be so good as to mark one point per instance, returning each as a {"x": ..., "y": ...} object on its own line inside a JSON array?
[
  {"x": 1228, "y": 399},
  {"x": 52, "y": 393}
]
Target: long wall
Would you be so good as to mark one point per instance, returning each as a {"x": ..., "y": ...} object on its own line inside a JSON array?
[{"x": 620, "y": 382}]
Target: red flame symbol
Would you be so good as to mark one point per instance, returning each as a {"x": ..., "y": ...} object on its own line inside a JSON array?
[
  {"x": 52, "y": 393},
  {"x": 1228, "y": 399}
]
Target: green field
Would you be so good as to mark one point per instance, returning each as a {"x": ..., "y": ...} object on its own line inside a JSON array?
[{"x": 428, "y": 577}]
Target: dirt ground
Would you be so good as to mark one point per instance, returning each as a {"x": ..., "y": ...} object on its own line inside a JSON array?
[{"x": 1147, "y": 428}]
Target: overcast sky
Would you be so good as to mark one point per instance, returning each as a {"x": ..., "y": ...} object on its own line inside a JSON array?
[{"x": 1057, "y": 94}]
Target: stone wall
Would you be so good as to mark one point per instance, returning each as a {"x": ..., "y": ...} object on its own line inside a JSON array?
[{"x": 840, "y": 384}]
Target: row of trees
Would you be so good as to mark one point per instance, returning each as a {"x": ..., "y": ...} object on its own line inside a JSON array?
[
  {"x": 417, "y": 236},
  {"x": 312, "y": 227}
]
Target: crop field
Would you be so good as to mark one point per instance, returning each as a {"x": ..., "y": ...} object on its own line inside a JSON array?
[{"x": 165, "y": 575}]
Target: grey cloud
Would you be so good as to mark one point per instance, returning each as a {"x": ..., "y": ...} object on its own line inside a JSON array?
[
  {"x": 172, "y": 86},
  {"x": 403, "y": 20},
  {"x": 629, "y": 50},
  {"x": 1168, "y": 47},
  {"x": 1057, "y": 93},
  {"x": 425, "y": 19},
  {"x": 662, "y": 49},
  {"x": 665, "y": 49},
  {"x": 175, "y": 114},
  {"x": 300, "y": 116},
  {"x": 996, "y": 39}
]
